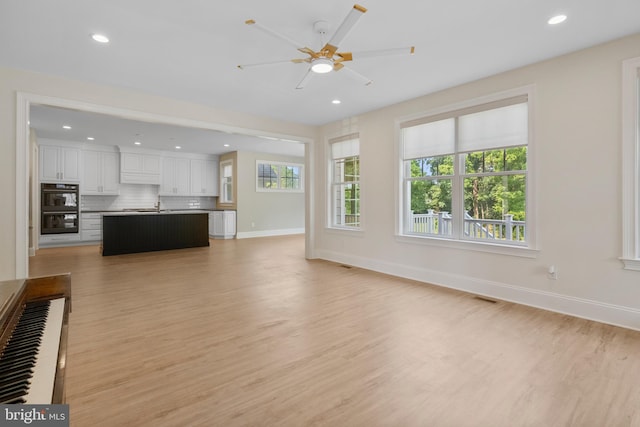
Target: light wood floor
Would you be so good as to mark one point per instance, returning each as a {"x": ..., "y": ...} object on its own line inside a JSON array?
[{"x": 249, "y": 333}]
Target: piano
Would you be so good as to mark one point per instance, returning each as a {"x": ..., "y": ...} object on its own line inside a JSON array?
[{"x": 34, "y": 323}]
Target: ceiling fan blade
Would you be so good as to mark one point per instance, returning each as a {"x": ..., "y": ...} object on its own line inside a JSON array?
[
  {"x": 260, "y": 64},
  {"x": 381, "y": 52},
  {"x": 273, "y": 33},
  {"x": 309, "y": 52},
  {"x": 365, "y": 80},
  {"x": 344, "y": 56},
  {"x": 305, "y": 79},
  {"x": 349, "y": 21}
]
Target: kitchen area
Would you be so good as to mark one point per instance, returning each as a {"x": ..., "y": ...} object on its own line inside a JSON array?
[
  {"x": 96, "y": 165},
  {"x": 87, "y": 190}
]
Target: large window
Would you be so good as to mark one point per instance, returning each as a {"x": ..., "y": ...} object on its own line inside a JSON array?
[
  {"x": 344, "y": 197},
  {"x": 465, "y": 173},
  {"x": 278, "y": 176}
]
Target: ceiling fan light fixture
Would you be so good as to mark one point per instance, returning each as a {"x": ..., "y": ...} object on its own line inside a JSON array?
[
  {"x": 558, "y": 19},
  {"x": 321, "y": 65}
]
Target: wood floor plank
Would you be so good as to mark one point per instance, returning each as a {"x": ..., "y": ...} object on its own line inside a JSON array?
[{"x": 248, "y": 332}]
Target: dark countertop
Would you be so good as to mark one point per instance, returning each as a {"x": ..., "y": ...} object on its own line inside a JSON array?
[
  {"x": 161, "y": 212},
  {"x": 151, "y": 211}
]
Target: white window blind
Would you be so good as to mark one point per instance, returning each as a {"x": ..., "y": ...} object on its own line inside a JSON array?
[
  {"x": 496, "y": 128},
  {"x": 227, "y": 170},
  {"x": 429, "y": 139},
  {"x": 346, "y": 148}
]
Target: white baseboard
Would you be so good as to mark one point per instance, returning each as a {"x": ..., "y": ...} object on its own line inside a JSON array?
[
  {"x": 616, "y": 315},
  {"x": 268, "y": 233}
]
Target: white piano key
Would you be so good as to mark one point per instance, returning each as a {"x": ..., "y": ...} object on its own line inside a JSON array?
[{"x": 44, "y": 371}]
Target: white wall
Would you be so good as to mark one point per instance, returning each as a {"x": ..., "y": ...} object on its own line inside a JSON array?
[
  {"x": 14, "y": 242},
  {"x": 266, "y": 213},
  {"x": 577, "y": 137}
]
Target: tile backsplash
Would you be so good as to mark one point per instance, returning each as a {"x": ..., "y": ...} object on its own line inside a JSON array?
[{"x": 134, "y": 196}]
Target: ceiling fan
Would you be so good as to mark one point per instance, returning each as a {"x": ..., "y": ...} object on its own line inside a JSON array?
[{"x": 328, "y": 58}]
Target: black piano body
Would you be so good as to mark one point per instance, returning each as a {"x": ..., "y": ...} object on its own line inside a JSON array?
[{"x": 16, "y": 296}]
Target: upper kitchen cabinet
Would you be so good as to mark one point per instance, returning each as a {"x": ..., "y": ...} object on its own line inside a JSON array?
[
  {"x": 59, "y": 163},
  {"x": 175, "y": 177},
  {"x": 204, "y": 177},
  {"x": 100, "y": 172},
  {"x": 139, "y": 167}
]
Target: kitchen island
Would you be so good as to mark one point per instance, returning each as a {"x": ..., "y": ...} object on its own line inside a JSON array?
[{"x": 132, "y": 232}]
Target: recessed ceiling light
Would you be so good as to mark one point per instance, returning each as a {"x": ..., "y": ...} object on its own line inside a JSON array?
[
  {"x": 226, "y": 145},
  {"x": 90, "y": 138},
  {"x": 138, "y": 143},
  {"x": 100, "y": 38},
  {"x": 66, "y": 127},
  {"x": 558, "y": 19},
  {"x": 336, "y": 101},
  {"x": 178, "y": 147}
]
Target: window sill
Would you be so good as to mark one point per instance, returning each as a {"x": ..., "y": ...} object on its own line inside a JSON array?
[
  {"x": 631, "y": 264},
  {"x": 345, "y": 230},
  {"x": 518, "y": 251}
]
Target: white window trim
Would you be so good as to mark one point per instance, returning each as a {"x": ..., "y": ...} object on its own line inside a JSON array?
[
  {"x": 280, "y": 190},
  {"x": 631, "y": 164},
  {"x": 531, "y": 250},
  {"x": 222, "y": 165},
  {"x": 329, "y": 225}
]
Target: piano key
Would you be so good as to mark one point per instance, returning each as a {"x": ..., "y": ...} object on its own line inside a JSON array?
[
  {"x": 44, "y": 371},
  {"x": 8, "y": 379},
  {"x": 14, "y": 391},
  {"x": 6, "y": 375}
]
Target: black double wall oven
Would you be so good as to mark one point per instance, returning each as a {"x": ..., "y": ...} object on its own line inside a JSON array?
[{"x": 60, "y": 210}]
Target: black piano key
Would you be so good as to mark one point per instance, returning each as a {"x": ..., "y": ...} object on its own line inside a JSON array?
[
  {"x": 8, "y": 376},
  {"x": 17, "y": 397},
  {"x": 32, "y": 327},
  {"x": 20, "y": 353},
  {"x": 21, "y": 366},
  {"x": 21, "y": 380},
  {"x": 15, "y": 401},
  {"x": 14, "y": 391},
  {"x": 31, "y": 343}
]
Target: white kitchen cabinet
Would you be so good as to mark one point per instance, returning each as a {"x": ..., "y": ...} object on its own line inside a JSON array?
[
  {"x": 100, "y": 174},
  {"x": 139, "y": 167},
  {"x": 204, "y": 177},
  {"x": 65, "y": 239},
  {"x": 176, "y": 176},
  {"x": 90, "y": 227},
  {"x": 222, "y": 224},
  {"x": 59, "y": 163}
]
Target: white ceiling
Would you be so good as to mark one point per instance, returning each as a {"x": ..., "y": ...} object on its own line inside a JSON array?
[
  {"x": 48, "y": 123},
  {"x": 190, "y": 49}
]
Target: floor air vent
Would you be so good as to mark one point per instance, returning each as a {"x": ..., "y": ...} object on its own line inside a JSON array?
[{"x": 485, "y": 299}]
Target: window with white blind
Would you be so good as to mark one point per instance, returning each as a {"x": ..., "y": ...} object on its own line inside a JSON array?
[
  {"x": 344, "y": 198},
  {"x": 465, "y": 174},
  {"x": 226, "y": 181}
]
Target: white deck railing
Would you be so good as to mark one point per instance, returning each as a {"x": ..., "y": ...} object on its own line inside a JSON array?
[{"x": 489, "y": 229}]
